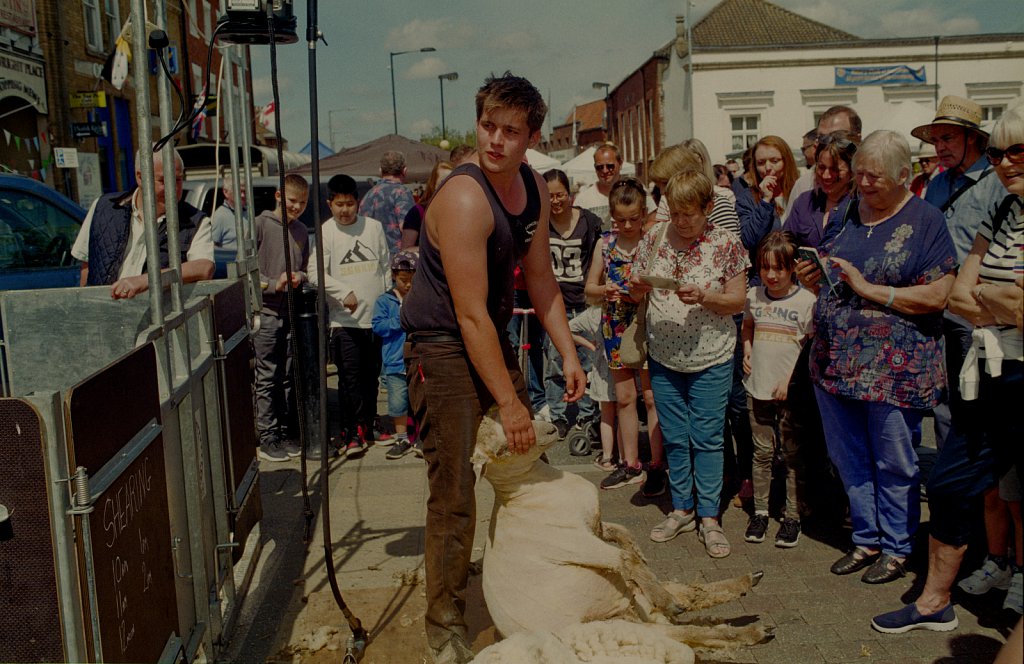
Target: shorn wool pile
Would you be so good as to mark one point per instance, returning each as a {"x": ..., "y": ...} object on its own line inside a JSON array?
[{"x": 562, "y": 586}]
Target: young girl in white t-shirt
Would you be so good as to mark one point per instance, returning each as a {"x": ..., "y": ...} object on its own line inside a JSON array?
[{"x": 777, "y": 321}]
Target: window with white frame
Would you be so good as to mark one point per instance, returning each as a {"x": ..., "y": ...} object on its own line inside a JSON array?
[
  {"x": 193, "y": 19},
  {"x": 113, "y": 16},
  {"x": 744, "y": 130},
  {"x": 992, "y": 113},
  {"x": 93, "y": 25}
]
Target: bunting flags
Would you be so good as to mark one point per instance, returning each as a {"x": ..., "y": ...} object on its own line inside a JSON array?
[{"x": 200, "y": 105}]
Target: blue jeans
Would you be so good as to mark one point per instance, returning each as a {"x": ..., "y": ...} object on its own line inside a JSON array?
[
  {"x": 691, "y": 412},
  {"x": 554, "y": 380},
  {"x": 398, "y": 394},
  {"x": 871, "y": 445}
]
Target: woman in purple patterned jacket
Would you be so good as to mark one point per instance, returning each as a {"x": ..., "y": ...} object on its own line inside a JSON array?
[{"x": 877, "y": 355}]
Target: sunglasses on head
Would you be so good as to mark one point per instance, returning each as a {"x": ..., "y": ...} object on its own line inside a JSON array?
[
  {"x": 604, "y": 167},
  {"x": 833, "y": 139},
  {"x": 629, "y": 182},
  {"x": 1015, "y": 153}
]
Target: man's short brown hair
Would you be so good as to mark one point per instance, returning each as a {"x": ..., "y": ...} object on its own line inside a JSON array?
[
  {"x": 392, "y": 162},
  {"x": 514, "y": 93}
]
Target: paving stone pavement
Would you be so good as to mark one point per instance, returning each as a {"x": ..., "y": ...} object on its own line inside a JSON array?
[{"x": 377, "y": 514}]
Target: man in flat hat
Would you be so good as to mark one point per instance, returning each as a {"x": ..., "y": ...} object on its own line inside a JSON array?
[{"x": 960, "y": 145}]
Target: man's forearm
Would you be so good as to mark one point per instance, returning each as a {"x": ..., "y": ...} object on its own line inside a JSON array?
[
  {"x": 196, "y": 270},
  {"x": 484, "y": 350}
]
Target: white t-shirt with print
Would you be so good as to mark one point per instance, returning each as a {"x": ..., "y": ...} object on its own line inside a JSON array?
[{"x": 780, "y": 325}]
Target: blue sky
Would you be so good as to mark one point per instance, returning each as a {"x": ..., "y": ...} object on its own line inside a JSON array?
[{"x": 562, "y": 46}]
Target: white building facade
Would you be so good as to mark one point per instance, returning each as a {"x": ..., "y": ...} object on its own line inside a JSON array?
[{"x": 741, "y": 93}]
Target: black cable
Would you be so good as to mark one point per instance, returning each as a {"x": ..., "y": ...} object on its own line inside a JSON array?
[
  {"x": 197, "y": 109},
  {"x": 167, "y": 72}
]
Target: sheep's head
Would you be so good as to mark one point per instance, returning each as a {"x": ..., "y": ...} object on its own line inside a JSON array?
[{"x": 492, "y": 447}]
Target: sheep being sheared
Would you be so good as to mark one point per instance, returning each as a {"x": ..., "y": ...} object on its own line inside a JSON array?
[{"x": 550, "y": 563}]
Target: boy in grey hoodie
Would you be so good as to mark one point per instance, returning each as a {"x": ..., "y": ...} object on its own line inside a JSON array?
[{"x": 273, "y": 354}]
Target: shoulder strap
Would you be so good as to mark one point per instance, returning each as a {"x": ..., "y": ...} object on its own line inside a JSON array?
[
  {"x": 1002, "y": 213},
  {"x": 963, "y": 190}
]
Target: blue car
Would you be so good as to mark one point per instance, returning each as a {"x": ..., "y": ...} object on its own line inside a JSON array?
[{"x": 38, "y": 225}]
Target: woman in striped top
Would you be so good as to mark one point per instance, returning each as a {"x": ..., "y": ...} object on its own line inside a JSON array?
[{"x": 988, "y": 292}]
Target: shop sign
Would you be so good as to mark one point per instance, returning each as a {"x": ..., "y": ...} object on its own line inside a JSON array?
[
  {"x": 23, "y": 78},
  {"x": 89, "y": 99},
  {"x": 18, "y": 15}
]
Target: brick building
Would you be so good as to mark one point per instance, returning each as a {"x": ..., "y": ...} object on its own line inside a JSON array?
[
  {"x": 587, "y": 122},
  {"x": 636, "y": 112},
  {"x": 51, "y": 57}
]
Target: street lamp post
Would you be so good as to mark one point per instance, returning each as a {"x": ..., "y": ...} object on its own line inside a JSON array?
[
  {"x": 394, "y": 105},
  {"x": 441, "y": 78},
  {"x": 607, "y": 116}
]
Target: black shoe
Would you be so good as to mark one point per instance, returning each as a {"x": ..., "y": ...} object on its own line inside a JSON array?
[
  {"x": 417, "y": 448},
  {"x": 656, "y": 483},
  {"x": 855, "y": 559},
  {"x": 563, "y": 428},
  {"x": 292, "y": 449},
  {"x": 886, "y": 569},
  {"x": 788, "y": 535},
  {"x": 272, "y": 451},
  {"x": 623, "y": 476},
  {"x": 401, "y": 447},
  {"x": 757, "y": 526}
]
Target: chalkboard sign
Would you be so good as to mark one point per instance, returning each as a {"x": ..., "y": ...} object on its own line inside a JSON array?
[
  {"x": 130, "y": 528},
  {"x": 112, "y": 419}
]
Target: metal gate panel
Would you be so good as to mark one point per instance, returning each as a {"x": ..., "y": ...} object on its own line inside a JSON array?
[
  {"x": 126, "y": 556},
  {"x": 29, "y": 631}
]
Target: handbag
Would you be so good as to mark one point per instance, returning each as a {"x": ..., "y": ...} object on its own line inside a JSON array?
[{"x": 633, "y": 349}]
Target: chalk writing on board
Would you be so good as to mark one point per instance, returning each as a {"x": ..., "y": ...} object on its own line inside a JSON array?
[{"x": 120, "y": 508}]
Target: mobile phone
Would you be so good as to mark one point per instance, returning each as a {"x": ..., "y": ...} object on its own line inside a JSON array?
[{"x": 811, "y": 254}]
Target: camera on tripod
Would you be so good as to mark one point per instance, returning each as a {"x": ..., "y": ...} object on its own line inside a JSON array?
[{"x": 246, "y": 22}]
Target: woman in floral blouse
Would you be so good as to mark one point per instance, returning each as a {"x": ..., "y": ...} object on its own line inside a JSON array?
[
  {"x": 690, "y": 342},
  {"x": 877, "y": 354}
]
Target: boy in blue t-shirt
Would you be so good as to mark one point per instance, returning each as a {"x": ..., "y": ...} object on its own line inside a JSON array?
[{"x": 388, "y": 327}]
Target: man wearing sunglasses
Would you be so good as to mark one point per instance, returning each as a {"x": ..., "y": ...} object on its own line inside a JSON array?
[
  {"x": 607, "y": 163},
  {"x": 929, "y": 162}
]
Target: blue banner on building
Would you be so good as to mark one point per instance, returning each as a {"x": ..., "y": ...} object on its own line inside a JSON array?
[{"x": 879, "y": 75}]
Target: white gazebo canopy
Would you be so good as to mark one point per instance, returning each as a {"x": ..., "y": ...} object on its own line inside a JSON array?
[{"x": 541, "y": 162}]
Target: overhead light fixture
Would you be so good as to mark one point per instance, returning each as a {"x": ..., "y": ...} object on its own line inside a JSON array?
[{"x": 245, "y": 22}]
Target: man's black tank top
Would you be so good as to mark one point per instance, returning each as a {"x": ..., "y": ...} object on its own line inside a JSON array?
[{"x": 428, "y": 307}]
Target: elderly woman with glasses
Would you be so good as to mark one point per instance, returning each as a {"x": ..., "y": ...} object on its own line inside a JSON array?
[
  {"x": 877, "y": 356},
  {"x": 698, "y": 271},
  {"x": 831, "y": 200}
]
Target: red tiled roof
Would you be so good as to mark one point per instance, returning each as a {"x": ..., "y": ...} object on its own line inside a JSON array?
[
  {"x": 589, "y": 115},
  {"x": 761, "y": 23}
]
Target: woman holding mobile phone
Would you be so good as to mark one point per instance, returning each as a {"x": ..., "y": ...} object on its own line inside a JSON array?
[{"x": 876, "y": 360}]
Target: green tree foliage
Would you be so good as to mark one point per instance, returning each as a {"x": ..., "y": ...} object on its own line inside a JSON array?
[{"x": 455, "y": 137}]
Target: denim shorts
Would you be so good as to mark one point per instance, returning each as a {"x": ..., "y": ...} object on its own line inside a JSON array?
[{"x": 398, "y": 394}]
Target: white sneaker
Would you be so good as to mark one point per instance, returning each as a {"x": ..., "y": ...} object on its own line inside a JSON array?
[
  {"x": 544, "y": 414},
  {"x": 1015, "y": 595},
  {"x": 985, "y": 578}
]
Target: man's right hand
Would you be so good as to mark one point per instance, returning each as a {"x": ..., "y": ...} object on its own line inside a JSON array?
[{"x": 518, "y": 426}]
